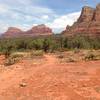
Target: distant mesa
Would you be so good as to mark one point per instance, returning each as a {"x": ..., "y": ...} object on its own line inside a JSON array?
[
  {"x": 35, "y": 31},
  {"x": 40, "y": 30},
  {"x": 87, "y": 24},
  {"x": 12, "y": 31}
]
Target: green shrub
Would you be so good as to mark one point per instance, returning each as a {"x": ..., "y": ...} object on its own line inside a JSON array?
[
  {"x": 76, "y": 50},
  {"x": 9, "y": 62},
  {"x": 61, "y": 56},
  {"x": 17, "y": 55},
  {"x": 48, "y": 44},
  {"x": 37, "y": 44},
  {"x": 36, "y": 53},
  {"x": 13, "y": 58},
  {"x": 7, "y": 51},
  {"x": 70, "y": 59},
  {"x": 90, "y": 56}
]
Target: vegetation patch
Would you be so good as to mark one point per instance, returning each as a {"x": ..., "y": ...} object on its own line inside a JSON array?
[
  {"x": 13, "y": 58},
  {"x": 52, "y": 44},
  {"x": 9, "y": 62},
  {"x": 49, "y": 44},
  {"x": 80, "y": 55},
  {"x": 38, "y": 53}
]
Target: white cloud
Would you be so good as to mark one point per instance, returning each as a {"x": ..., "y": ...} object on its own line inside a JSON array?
[
  {"x": 62, "y": 21},
  {"x": 3, "y": 26},
  {"x": 39, "y": 10},
  {"x": 24, "y": 27},
  {"x": 3, "y": 8},
  {"x": 26, "y": 11},
  {"x": 45, "y": 17},
  {"x": 20, "y": 16}
]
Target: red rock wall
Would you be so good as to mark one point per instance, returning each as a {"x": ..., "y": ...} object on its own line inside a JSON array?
[
  {"x": 35, "y": 31},
  {"x": 87, "y": 24}
]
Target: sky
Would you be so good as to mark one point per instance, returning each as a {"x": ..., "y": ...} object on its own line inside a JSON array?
[{"x": 56, "y": 14}]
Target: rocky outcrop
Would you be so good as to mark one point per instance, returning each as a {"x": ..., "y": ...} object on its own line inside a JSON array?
[
  {"x": 87, "y": 24},
  {"x": 35, "y": 31},
  {"x": 39, "y": 30},
  {"x": 12, "y": 31},
  {"x": 86, "y": 15},
  {"x": 97, "y": 13}
]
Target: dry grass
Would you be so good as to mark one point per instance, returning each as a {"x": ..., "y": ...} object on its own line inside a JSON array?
[
  {"x": 68, "y": 56},
  {"x": 79, "y": 55},
  {"x": 13, "y": 58},
  {"x": 38, "y": 53},
  {"x": 17, "y": 56}
]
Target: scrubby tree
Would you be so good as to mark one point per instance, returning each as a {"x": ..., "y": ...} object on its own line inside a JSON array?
[
  {"x": 7, "y": 50},
  {"x": 46, "y": 45}
]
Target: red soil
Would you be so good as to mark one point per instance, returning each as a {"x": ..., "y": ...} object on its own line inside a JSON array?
[
  {"x": 51, "y": 81},
  {"x": 2, "y": 59}
]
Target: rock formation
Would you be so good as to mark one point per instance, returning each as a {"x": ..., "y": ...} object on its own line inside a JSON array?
[
  {"x": 87, "y": 24},
  {"x": 35, "y": 31},
  {"x": 97, "y": 13},
  {"x": 12, "y": 32},
  {"x": 40, "y": 30}
]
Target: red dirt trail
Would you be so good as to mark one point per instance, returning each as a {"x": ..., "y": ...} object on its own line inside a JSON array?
[{"x": 51, "y": 80}]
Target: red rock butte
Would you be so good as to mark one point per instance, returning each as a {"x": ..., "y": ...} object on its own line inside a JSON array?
[
  {"x": 87, "y": 24},
  {"x": 39, "y": 30}
]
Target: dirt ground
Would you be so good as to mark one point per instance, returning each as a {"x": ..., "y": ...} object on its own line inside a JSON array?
[{"x": 50, "y": 80}]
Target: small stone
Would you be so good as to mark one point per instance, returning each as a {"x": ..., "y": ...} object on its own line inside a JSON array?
[{"x": 23, "y": 85}]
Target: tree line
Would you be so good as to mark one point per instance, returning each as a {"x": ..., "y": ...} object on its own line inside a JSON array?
[{"x": 49, "y": 44}]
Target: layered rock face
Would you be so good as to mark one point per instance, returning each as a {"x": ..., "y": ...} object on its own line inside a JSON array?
[
  {"x": 35, "y": 31},
  {"x": 87, "y": 24},
  {"x": 86, "y": 15},
  {"x": 12, "y": 31},
  {"x": 40, "y": 30},
  {"x": 97, "y": 13}
]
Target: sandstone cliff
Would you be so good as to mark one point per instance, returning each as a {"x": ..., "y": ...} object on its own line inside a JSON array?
[
  {"x": 87, "y": 24},
  {"x": 12, "y": 31},
  {"x": 39, "y": 30},
  {"x": 35, "y": 31}
]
